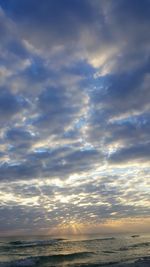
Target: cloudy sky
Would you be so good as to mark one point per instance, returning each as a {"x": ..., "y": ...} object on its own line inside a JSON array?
[{"x": 74, "y": 116}]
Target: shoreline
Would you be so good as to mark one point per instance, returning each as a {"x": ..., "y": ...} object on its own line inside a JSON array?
[{"x": 141, "y": 262}]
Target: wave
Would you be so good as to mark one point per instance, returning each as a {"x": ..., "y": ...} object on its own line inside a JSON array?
[
  {"x": 104, "y": 239},
  {"x": 145, "y": 244},
  {"x": 100, "y": 264},
  {"x": 19, "y": 263},
  {"x": 144, "y": 261},
  {"x": 108, "y": 251},
  {"x": 57, "y": 259},
  {"x": 33, "y": 261},
  {"x": 34, "y": 243},
  {"x": 94, "y": 240},
  {"x": 41, "y": 243},
  {"x": 138, "y": 245},
  {"x": 135, "y": 236}
]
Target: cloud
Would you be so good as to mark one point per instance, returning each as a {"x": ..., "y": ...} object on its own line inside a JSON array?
[
  {"x": 136, "y": 153},
  {"x": 18, "y": 135},
  {"x": 74, "y": 111},
  {"x": 10, "y": 104},
  {"x": 99, "y": 201},
  {"x": 54, "y": 22},
  {"x": 48, "y": 164}
]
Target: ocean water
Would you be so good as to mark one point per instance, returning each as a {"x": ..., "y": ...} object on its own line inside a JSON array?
[{"x": 73, "y": 251}]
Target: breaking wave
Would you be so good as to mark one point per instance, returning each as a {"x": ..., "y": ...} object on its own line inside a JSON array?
[
  {"x": 34, "y": 243},
  {"x": 138, "y": 245},
  {"x": 96, "y": 240},
  {"x": 34, "y": 261}
]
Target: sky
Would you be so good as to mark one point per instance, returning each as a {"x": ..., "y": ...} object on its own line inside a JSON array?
[{"x": 74, "y": 116}]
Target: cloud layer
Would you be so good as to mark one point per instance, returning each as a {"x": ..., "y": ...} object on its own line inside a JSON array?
[{"x": 74, "y": 112}]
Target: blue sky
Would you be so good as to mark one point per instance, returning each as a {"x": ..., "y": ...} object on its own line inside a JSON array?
[{"x": 74, "y": 116}]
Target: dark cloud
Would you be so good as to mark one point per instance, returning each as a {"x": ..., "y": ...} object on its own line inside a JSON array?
[
  {"x": 136, "y": 153},
  {"x": 18, "y": 135},
  {"x": 17, "y": 48},
  {"x": 58, "y": 108},
  {"x": 118, "y": 94},
  {"x": 130, "y": 132},
  {"x": 37, "y": 71},
  {"x": 49, "y": 164},
  {"x": 18, "y": 141},
  {"x": 49, "y": 10},
  {"x": 121, "y": 108},
  {"x": 55, "y": 21},
  {"x": 135, "y": 11},
  {"x": 10, "y": 104},
  {"x": 19, "y": 171}
]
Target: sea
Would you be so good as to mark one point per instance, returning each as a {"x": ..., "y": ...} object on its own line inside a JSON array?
[{"x": 73, "y": 251}]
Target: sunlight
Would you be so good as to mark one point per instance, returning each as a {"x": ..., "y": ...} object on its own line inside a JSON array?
[{"x": 71, "y": 228}]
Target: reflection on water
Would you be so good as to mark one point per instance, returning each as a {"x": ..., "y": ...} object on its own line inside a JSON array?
[{"x": 72, "y": 250}]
